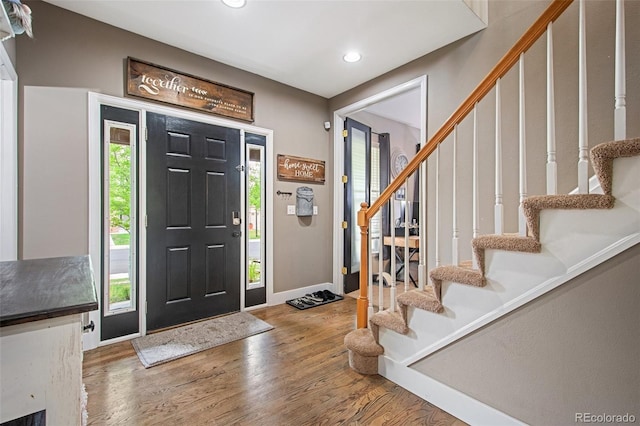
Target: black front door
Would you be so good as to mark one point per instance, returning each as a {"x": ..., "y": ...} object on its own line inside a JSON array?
[{"x": 193, "y": 241}]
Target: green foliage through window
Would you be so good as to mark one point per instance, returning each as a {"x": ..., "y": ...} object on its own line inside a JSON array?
[
  {"x": 255, "y": 185},
  {"x": 120, "y": 186}
]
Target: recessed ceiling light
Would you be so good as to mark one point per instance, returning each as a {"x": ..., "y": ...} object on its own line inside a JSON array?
[
  {"x": 237, "y": 4},
  {"x": 352, "y": 57}
]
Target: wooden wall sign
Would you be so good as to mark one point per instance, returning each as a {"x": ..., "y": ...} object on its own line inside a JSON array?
[
  {"x": 161, "y": 84},
  {"x": 300, "y": 169}
]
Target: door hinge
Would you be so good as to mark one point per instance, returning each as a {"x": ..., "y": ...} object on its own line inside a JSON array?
[
  {"x": 146, "y": 306},
  {"x": 344, "y": 270},
  {"x": 345, "y": 178},
  {"x": 345, "y": 225},
  {"x": 146, "y": 221},
  {"x": 345, "y": 133},
  {"x": 146, "y": 134}
]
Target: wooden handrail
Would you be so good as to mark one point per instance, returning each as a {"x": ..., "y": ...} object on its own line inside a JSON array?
[{"x": 553, "y": 11}]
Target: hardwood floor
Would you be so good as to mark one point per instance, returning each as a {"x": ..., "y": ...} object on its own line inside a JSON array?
[{"x": 296, "y": 374}]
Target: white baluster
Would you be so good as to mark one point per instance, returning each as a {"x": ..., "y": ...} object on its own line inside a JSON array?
[
  {"x": 583, "y": 139},
  {"x": 620, "y": 113},
  {"x": 499, "y": 207},
  {"x": 552, "y": 167},
  {"x": 405, "y": 252},
  {"x": 437, "y": 218},
  {"x": 392, "y": 295},
  {"x": 422, "y": 230},
  {"x": 455, "y": 252},
  {"x": 474, "y": 207},
  {"x": 393, "y": 254},
  {"x": 370, "y": 274},
  {"x": 522, "y": 225}
]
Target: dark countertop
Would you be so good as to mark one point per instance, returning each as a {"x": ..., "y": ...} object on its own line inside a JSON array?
[{"x": 32, "y": 290}]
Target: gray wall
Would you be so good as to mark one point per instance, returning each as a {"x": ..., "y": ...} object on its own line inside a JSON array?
[
  {"x": 573, "y": 350},
  {"x": 70, "y": 50},
  {"x": 55, "y": 184},
  {"x": 538, "y": 364}
]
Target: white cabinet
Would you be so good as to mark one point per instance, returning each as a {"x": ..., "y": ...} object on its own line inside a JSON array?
[{"x": 41, "y": 306}]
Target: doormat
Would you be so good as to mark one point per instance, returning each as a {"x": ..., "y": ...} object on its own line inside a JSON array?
[
  {"x": 305, "y": 302},
  {"x": 165, "y": 346}
]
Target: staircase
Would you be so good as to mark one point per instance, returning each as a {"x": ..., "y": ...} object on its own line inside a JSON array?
[
  {"x": 556, "y": 223},
  {"x": 559, "y": 237}
]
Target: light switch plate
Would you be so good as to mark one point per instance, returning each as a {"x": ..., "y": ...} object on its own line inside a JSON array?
[
  {"x": 291, "y": 209},
  {"x": 315, "y": 210}
]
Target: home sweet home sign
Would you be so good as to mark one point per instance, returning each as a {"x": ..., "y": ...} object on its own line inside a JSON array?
[
  {"x": 300, "y": 169},
  {"x": 149, "y": 81}
]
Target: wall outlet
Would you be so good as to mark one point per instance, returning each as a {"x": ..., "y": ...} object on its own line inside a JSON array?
[
  {"x": 315, "y": 210},
  {"x": 291, "y": 209}
]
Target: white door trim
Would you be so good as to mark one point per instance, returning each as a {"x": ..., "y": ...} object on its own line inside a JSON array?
[
  {"x": 92, "y": 340},
  {"x": 8, "y": 158},
  {"x": 338, "y": 162}
]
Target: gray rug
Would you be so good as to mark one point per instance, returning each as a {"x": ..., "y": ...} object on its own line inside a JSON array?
[{"x": 168, "y": 345}]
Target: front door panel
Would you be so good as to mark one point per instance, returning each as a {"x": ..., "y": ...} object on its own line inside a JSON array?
[{"x": 193, "y": 247}]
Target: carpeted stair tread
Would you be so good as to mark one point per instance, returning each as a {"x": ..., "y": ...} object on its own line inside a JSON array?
[
  {"x": 456, "y": 274},
  {"x": 533, "y": 205},
  {"x": 422, "y": 299},
  {"x": 362, "y": 342},
  {"x": 602, "y": 157},
  {"x": 507, "y": 243},
  {"x": 392, "y": 320},
  {"x": 363, "y": 351}
]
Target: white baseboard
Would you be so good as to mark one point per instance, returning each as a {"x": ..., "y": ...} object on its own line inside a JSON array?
[
  {"x": 454, "y": 402},
  {"x": 282, "y": 297}
]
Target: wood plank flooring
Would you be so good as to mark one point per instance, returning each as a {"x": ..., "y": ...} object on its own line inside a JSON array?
[{"x": 296, "y": 374}]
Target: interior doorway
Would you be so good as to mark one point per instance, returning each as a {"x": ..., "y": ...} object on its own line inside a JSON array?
[{"x": 372, "y": 105}]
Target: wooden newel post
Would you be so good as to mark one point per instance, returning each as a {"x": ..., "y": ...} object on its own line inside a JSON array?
[{"x": 363, "y": 301}]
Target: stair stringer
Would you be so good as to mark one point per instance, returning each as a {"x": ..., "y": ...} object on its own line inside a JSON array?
[{"x": 515, "y": 278}]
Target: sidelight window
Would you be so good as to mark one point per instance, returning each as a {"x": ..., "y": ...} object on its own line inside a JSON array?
[
  {"x": 255, "y": 216},
  {"x": 119, "y": 219}
]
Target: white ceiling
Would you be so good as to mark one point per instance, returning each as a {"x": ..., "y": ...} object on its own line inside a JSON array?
[
  {"x": 403, "y": 108},
  {"x": 296, "y": 42}
]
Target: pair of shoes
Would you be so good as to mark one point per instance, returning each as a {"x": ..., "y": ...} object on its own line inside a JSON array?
[
  {"x": 314, "y": 298},
  {"x": 306, "y": 301},
  {"x": 325, "y": 295},
  {"x": 297, "y": 303},
  {"x": 329, "y": 295},
  {"x": 320, "y": 295}
]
